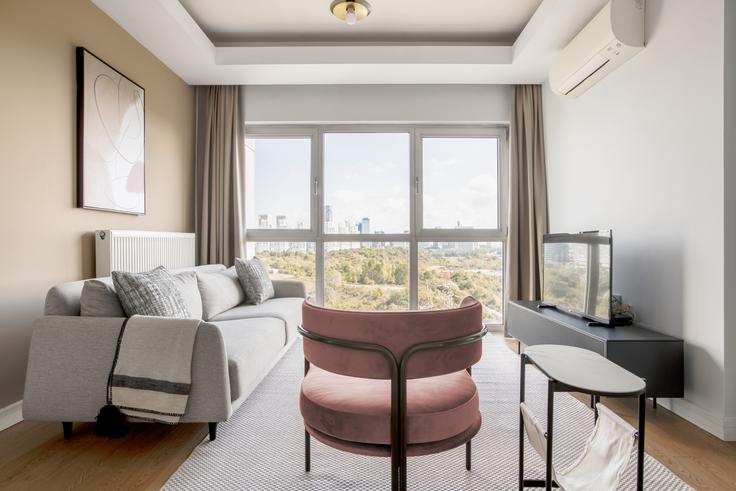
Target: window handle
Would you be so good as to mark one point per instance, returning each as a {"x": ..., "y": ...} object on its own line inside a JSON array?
[
  {"x": 416, "y": 184},
  {"x": 316, "y": 186}
]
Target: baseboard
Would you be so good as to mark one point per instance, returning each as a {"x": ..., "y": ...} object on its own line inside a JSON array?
[
  {"x": 729, "y": 429},
  {"x": 495, "y": 327},
  {"x": 11, "y": 415},
  {"x": 723, "y": 428}
]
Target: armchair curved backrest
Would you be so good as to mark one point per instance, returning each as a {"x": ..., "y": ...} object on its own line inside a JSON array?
[{"x": 397, "y": 332}]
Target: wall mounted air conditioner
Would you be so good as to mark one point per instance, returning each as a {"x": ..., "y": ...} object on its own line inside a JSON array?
[{"x": 613, "y": 37}]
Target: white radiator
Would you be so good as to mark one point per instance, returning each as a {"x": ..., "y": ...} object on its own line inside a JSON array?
[{"x": 135, "y": 251}]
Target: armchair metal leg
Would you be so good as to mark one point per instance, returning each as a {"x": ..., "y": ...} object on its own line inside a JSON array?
[
  {"x": 213, "y": 431},
  {"x": 67, "y": 429},
  {"x": 307, "y": 452},
  {"x": 467, "y": 456}
]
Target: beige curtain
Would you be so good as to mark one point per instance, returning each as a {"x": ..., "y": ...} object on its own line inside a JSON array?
[
  {"x": 219, "y": 175},
  {"x": 528, "y": 219}
]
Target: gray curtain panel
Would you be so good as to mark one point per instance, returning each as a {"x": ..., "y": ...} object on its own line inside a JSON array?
[
  {"x": 528, "y": 217},
  {"x": 219, "y": 175}
]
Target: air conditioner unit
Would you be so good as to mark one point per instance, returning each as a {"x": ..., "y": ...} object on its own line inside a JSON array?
[{"x": 613, "y": 37}]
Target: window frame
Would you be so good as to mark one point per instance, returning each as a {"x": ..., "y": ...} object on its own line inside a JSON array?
[{"x": 316, "y": 233}]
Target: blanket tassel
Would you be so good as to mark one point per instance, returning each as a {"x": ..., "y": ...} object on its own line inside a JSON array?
[{"x": 110, "y": 422}]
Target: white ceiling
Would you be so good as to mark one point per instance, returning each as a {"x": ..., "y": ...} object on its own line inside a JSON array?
[
  {"x": 428, "y": 21},
  {"x": 170, "y": 32}
]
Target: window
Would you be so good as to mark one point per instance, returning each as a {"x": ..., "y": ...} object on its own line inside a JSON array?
[
  {"x": 381, "y": 218},
  {"x": 287, "y": 261},
  {"x": 367, "y": 275},
  {"x": 366, "y": 183},
  {"x": 277, "y": 183},
  {"x": 460, "y": 183},
  {"x": 451, "y": 271}
]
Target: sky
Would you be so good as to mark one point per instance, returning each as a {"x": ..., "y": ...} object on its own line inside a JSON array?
[{"x": 368, "y": 174}]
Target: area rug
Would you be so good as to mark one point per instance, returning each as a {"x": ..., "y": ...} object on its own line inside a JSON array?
[{"x": 262, "y": 446}]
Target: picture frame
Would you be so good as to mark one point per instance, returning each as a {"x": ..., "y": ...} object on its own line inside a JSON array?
[{"x": 111, "y": 164}]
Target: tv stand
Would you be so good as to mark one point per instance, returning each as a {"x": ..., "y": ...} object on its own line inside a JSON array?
[{"x": 654, "y": 356}]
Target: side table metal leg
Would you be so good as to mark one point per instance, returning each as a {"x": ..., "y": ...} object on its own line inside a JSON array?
[
  {"x": 522, "y": 377},
  {"x": 550, "y": 419},
  {"x": 596, "y": 400},
  {"x": 640, "y": 453}
]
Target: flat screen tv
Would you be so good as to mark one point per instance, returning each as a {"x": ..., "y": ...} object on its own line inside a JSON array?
[{"x": 577, "y": 274}]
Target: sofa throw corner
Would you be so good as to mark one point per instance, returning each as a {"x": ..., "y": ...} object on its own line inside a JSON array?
[
  {"x": 254, "y": 278},
  {"x": 153, "y": 293}
]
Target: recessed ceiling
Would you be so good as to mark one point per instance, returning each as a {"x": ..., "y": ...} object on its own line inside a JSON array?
[{"x": 391, "y": 21}]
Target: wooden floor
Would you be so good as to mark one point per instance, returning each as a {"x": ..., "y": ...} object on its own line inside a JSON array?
[{"x": 36, "y": 456}]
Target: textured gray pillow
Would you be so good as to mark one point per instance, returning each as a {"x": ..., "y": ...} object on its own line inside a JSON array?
[
  {"x": 99, "y": 299},
  {"x": 151, "y": 293},
  {"x": 254, "y": 278},
  {"x": 186, "y": 282},
  {"x": 220, "y": 292}
]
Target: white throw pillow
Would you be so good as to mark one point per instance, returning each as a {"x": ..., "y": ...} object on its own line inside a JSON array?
[{"x": 220, "y": 292}]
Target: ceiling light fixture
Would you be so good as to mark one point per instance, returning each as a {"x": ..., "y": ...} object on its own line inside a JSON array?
[{"x": 351, "y": 11}]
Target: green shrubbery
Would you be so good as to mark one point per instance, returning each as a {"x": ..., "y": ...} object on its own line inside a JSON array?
[{"x": 378, "y": 278}]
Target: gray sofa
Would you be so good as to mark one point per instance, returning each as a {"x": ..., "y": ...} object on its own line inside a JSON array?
[{"x": 70, "y": 355}]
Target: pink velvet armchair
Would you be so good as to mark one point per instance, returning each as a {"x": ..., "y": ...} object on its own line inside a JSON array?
[{"x": 392, "y": 384}]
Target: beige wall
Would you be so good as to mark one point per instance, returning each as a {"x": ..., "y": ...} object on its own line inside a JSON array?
[{"x": 44, "y": 239}]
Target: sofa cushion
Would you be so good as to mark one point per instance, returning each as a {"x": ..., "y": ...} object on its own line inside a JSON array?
[
  {"x": 254, "y": 278},
  {"x": 287, "y": 309},
  {"x": 220, "y": 291},
  {"x": 99, "y": 299},
  {"x": 251, "y": 346},
  {"x": 65, "y": 298},
  {"x": 150, "y": 293},
  {"x": 188, "y": 286}
]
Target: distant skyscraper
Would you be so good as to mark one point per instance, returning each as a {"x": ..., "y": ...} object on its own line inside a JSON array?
[
  {"x": 328, "y": 213},
  {"x": 280, "y": 221},
  {"x": 365, "y": 226},
  {"x": 263, "y": 221}
]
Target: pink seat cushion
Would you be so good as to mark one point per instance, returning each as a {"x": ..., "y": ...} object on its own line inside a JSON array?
[{"x": 359, "y": 410}]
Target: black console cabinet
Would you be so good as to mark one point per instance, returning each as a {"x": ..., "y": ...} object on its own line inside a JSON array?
[{"x": 656, "y": 357}]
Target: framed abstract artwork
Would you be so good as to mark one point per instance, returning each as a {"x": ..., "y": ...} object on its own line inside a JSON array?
[{"x": 111, "y": 164}]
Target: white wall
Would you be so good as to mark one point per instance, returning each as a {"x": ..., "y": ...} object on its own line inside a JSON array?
[
  {"x": 377, "y": 103},
  {"x": 642, "y": 153}
]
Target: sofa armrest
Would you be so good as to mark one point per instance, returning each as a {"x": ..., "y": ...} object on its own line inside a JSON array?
[
  {"x": 289, "y": 288},
  {"x": 70, "y": 359}
]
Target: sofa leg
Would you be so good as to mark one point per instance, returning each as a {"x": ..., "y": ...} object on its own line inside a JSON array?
[
  {"x": 67, "y": 429},
  {"x": 307, "y": 452},
  {"x": 467, "y": 455},
  {"x": 213, "y": 431}
]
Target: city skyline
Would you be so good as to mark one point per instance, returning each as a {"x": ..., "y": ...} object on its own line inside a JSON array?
[{"x": 366, "y": 175}]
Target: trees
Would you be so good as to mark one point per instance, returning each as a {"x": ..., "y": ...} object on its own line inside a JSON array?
[{"x": 368, "y": 278}]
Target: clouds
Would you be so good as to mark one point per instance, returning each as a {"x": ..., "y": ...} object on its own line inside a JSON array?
[
  {"x": 460, "y": 183},
  {"x": 368, "y": 175}
]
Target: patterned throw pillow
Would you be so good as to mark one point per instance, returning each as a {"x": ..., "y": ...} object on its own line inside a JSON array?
[
  {"x": 151, "y": 293},
  {"x": 254, "y": 278}
]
